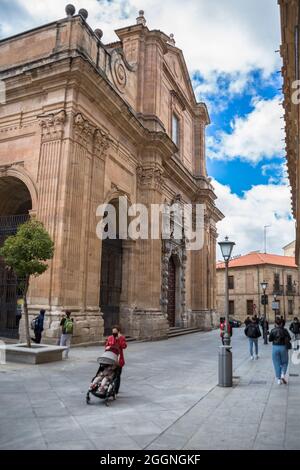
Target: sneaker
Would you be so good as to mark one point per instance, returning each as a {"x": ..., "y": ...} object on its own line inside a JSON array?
[
  {"x": 256, "y": 357},
  {"x": 284, "y": 381},
  {"x": 279, "y": 381},
  {"x": 252, "y": 358}
]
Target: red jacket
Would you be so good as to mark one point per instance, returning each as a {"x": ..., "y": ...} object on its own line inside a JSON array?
[{"x": 120, "y": 343}]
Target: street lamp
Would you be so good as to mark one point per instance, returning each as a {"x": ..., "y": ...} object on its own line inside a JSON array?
[
  {"x": 264, "y": 286},
  {"x": 225, "y": 355}
]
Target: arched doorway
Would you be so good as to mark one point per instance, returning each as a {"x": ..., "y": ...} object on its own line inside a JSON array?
[
  {"x": 111, "y": 277},
  {"x": 171, "y": 310},
  {"x": 15, "y": 204}
]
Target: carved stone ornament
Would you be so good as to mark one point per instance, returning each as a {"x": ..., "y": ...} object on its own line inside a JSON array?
[
  {"x": 175, "y": 248},
  {"x": 52, "y": 125},
  {"x": 92, "y": 138},
  {"x": 118, "y": 71},
  {"x": 150, "y": 177}
]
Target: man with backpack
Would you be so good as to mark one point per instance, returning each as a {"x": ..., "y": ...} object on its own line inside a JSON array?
[
  {"x": 252, "y": 331},
  {"x": 67, "y": 331},
  {"x": 37, "y": 325}
]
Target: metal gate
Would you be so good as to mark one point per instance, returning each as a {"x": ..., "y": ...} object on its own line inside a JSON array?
[{"x": 10, "y": 284}]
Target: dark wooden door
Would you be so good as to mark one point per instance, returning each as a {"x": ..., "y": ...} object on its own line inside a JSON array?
[
  {"x": 172, "y": 293},
  {"x": 111, "y": 283}
]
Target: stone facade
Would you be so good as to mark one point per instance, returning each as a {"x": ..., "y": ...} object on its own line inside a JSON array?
[
  {"x": 247, "y": 290},
  {"x": 83, "y": 124},
  {"x": 290, "y": 53}
]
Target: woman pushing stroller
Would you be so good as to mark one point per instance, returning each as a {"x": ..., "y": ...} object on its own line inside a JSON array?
[
  {"x": 106, "y": 383},
  {"x": 117, "y": 343}
]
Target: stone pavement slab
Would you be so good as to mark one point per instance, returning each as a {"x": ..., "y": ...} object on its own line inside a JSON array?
[{"x": 169, "y": 399}]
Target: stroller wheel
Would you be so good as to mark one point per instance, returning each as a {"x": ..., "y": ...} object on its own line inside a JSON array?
[
  {"x": 106, "y": 403},
  {"x": 88, "y": 399},
  {"x": 114, "y": 396}
]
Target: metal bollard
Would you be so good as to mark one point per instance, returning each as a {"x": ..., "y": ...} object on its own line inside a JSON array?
[{"x": 225, "y": 366}]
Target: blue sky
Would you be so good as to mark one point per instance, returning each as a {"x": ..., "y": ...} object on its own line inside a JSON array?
[{"x": 229, "y": 48}]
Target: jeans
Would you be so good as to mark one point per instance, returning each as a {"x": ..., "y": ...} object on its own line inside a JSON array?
[
  {"x": 65, "y": 340},
  {"x": 118, "y": 380},
  {"x": 253, "y": 341},
  {"x": 280, "y": 356}
]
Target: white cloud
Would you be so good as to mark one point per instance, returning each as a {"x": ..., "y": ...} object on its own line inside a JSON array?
[
  {"x": 256, "y": 136},
  {"x": 245, "y": 217},
  {"x": 215, "y": 36}
]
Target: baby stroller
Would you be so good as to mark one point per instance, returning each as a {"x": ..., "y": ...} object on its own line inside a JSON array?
[{"x": 103, "y": 385}]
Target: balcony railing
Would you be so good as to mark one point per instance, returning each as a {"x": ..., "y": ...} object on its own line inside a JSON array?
[
  {"x": 290, "y": 290},
  {"x": 278, "y": 289}
]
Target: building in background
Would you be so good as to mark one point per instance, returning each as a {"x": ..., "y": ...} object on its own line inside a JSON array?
[
  {"x": 290, "y": 52},
  {"x": 290, "y": 249},
  {"x": 87, "y": 122},
  {"x": 245, "y": 276}
]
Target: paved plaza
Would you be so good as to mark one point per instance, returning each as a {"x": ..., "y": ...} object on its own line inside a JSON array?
[{"x": 169, "y": 399}]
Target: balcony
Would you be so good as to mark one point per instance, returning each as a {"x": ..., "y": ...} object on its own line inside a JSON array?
[
  {"x": 290, "y": 290},
  {"x": 278, "y": 289}
]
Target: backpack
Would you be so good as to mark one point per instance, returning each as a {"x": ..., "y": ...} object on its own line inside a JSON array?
[
  {"x": 68, "y": 326},
  {"x": 34, "y": 323},
  {"x": 253, "y": 331}
]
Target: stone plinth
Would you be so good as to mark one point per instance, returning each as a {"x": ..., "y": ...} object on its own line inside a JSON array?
[{"x": 37, "y": 354}]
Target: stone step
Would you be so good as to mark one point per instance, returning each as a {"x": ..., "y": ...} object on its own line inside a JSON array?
[
  {"x": 129, "y": 339},
  {"x": 177, "y": 331}
]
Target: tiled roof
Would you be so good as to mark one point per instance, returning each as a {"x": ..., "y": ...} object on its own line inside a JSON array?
[{"x": 254, "y": 259}]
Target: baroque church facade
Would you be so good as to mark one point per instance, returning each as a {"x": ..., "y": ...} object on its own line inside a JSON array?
[{"x": 85, "y": 123}]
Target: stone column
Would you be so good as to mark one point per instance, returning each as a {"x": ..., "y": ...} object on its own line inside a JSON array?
[{"x": 46, "y": 291}]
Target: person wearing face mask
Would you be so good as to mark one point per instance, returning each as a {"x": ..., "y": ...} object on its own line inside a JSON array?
[{"x": 117, "y": 343}]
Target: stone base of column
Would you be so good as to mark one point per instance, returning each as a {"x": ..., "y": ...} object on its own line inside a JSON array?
[
  {"x": 202, "y": 319},
  {"x": 145, "y": 324},
  {"x": 88, "y": 326}
]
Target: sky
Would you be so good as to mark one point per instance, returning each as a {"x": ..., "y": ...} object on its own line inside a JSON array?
[{"x": 230, "y": 49}]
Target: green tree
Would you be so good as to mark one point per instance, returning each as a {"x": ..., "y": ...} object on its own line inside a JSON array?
[{"x": 26, "y": 253}]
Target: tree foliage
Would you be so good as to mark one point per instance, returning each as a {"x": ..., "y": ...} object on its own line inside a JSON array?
[{"x": 28, "y": 251}]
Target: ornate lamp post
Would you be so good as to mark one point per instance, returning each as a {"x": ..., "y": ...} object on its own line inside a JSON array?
[
  {"x": 264, "y": 286},
  {"x": 225, "y": 355}
]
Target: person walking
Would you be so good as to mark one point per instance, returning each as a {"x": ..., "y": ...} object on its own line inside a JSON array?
[
  {"x": 252, "y": 331},
  {"x": 66, "y": 324},
  {"x": 295, "y": 329},
  {"x": 117, "y": 342},
  {"x": 38, "y": 326},
  {"x": 281, "y": 340},
  {"x": 223, "y": 329}
]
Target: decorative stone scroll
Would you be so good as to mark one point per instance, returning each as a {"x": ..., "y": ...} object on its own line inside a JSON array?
[
  {"x": 150, "y": 177},
  {"x": 90, "y": 136},
  {"x": 52, "y": 125}
]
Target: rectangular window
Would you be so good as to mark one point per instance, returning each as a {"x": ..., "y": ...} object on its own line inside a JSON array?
[
  {"x": 231, "y": 282},
  {"x": 231, "y": 307},
  {"x": 290, "y": 307},
  {"x": 250, "y": 309},
  {"x": 289, "y": 281},
  {"x": 175, "y": 130}
]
